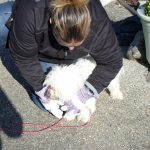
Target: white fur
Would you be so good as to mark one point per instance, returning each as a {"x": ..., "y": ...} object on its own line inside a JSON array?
[
  {"x": 114, "y": 87},
  {"x": 67, "y": 80}
]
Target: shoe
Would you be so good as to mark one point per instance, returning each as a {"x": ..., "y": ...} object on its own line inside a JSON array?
[
  {"x": 136, "y": 50},
  {"x": 133, "y": 3}
]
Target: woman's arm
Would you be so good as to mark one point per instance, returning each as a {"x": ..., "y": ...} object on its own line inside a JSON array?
[
  {"x": 107, "y": 54},
  {"x": 24, "y": 48}
]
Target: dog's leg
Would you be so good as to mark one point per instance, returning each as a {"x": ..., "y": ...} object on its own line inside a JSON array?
[
  {"x": 114, "y": 88},
  {"x": 87, "y": 111},
  {"x": 70, "y": 116}
]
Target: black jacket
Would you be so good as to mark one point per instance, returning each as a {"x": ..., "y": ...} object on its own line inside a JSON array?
[{"x": 31, "y": 40}]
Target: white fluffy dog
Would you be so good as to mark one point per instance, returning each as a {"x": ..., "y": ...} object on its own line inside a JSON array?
[{"x": 65, "y": 81}]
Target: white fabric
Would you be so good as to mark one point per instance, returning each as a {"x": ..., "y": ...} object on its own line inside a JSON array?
[
  {"x": 77, "y": 103},
  {"x": 53, "y": 107}
]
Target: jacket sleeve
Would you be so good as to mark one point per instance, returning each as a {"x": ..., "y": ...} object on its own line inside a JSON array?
[
  {"x": 107, "y": 54},
  {"x": 24, "y": 48}
]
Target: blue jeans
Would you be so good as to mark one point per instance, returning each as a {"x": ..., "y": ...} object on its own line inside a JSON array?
[{"x": 5, "y": 12}]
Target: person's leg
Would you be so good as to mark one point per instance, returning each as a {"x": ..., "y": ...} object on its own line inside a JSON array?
[
  {"x": 46, "y": 67},
  {"x": 5, "y": 12}
]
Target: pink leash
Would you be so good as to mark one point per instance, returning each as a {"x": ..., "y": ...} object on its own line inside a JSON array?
[{"x": 46, "y": 127}]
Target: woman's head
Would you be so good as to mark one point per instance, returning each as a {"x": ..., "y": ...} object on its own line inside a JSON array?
[{"x": 70, "y": 21}]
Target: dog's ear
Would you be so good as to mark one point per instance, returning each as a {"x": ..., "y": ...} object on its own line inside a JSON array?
[
  {"x": 51, "y": 93},
  {"x": 48, "y": 92}
]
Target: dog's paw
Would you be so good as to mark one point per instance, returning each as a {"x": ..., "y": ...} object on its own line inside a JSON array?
[
  {"x": 84, "y": 115},
  {"x": 91, "y": 104},
  {"x": 116, "y": 95},
  {"x": 87, "y": 111},
  {"x": 70, "y": 116}
]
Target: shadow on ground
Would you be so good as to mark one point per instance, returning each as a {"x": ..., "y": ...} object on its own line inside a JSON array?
[
  {"x": 8, "y": 118},
  {"x": 10, "y": 66}
]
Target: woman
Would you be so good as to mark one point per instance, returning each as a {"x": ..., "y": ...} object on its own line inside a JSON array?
[{"x": 59, "y": 31}]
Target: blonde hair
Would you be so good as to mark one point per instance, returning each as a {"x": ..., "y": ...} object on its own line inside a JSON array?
[{"x": 70, "y": 19}]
